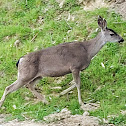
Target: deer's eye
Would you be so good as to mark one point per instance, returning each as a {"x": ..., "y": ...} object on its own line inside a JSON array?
[{"x": 112, "y": 34}]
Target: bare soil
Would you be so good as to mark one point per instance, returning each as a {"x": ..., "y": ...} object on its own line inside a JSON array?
[
  {"x": 63, "y": 118},
  {"x": 120, "y": 7}
]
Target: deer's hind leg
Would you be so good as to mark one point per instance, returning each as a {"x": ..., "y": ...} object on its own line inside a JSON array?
[
  {"x": 31, "y": 87},
  {"x": 11, "y": 88}
]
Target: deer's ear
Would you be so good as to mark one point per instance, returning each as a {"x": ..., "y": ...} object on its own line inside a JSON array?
[{"x": 102, "y": 23}]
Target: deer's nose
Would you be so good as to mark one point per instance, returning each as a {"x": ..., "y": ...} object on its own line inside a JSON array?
[{"x": 121, "y": 40}]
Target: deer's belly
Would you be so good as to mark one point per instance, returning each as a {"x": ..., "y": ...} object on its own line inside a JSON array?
[{"x": 55, "y": 71}]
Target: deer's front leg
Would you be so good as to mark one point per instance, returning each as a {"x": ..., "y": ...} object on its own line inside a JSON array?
[{"x": 76, "y": 77}]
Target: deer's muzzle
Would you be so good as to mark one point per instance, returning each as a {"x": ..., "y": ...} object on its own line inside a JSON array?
[{"x": 121, "y": 40}]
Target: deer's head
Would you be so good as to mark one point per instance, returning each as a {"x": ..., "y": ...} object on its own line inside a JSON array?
[{"x": 108, "y": 35}]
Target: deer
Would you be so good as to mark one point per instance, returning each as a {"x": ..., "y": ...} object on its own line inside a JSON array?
[{"x": 59, "y": 60}]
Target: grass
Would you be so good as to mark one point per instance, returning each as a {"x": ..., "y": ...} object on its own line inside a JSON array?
[{"x": 21, "y": 22}]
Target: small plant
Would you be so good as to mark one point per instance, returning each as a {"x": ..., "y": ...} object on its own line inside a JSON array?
[{"x": 118, "y": 121}]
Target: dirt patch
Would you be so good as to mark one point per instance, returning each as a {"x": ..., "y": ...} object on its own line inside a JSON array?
[
  {"x": 117, "y": 5},
  {"x": 120, "y": 7},
  {"x": 24, "y": 123},
  {"x": 90, "y": 5},
  {"x": 63, "y": 118}
]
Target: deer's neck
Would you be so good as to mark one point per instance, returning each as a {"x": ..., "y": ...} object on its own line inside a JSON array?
[{"x": 94, "y": 45}]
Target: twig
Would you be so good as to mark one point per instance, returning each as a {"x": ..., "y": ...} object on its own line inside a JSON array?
[
  {"x": 34, "y": 37},
  {"x": 68, "y": 24}
]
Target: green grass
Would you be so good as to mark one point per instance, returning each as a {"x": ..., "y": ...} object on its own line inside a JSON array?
[
  {"x": 118, "y": 121},
  {"x": 21, "y": 22}
]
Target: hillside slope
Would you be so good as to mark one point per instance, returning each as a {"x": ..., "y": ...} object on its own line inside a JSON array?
[{"x": 33, "y": 25}]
